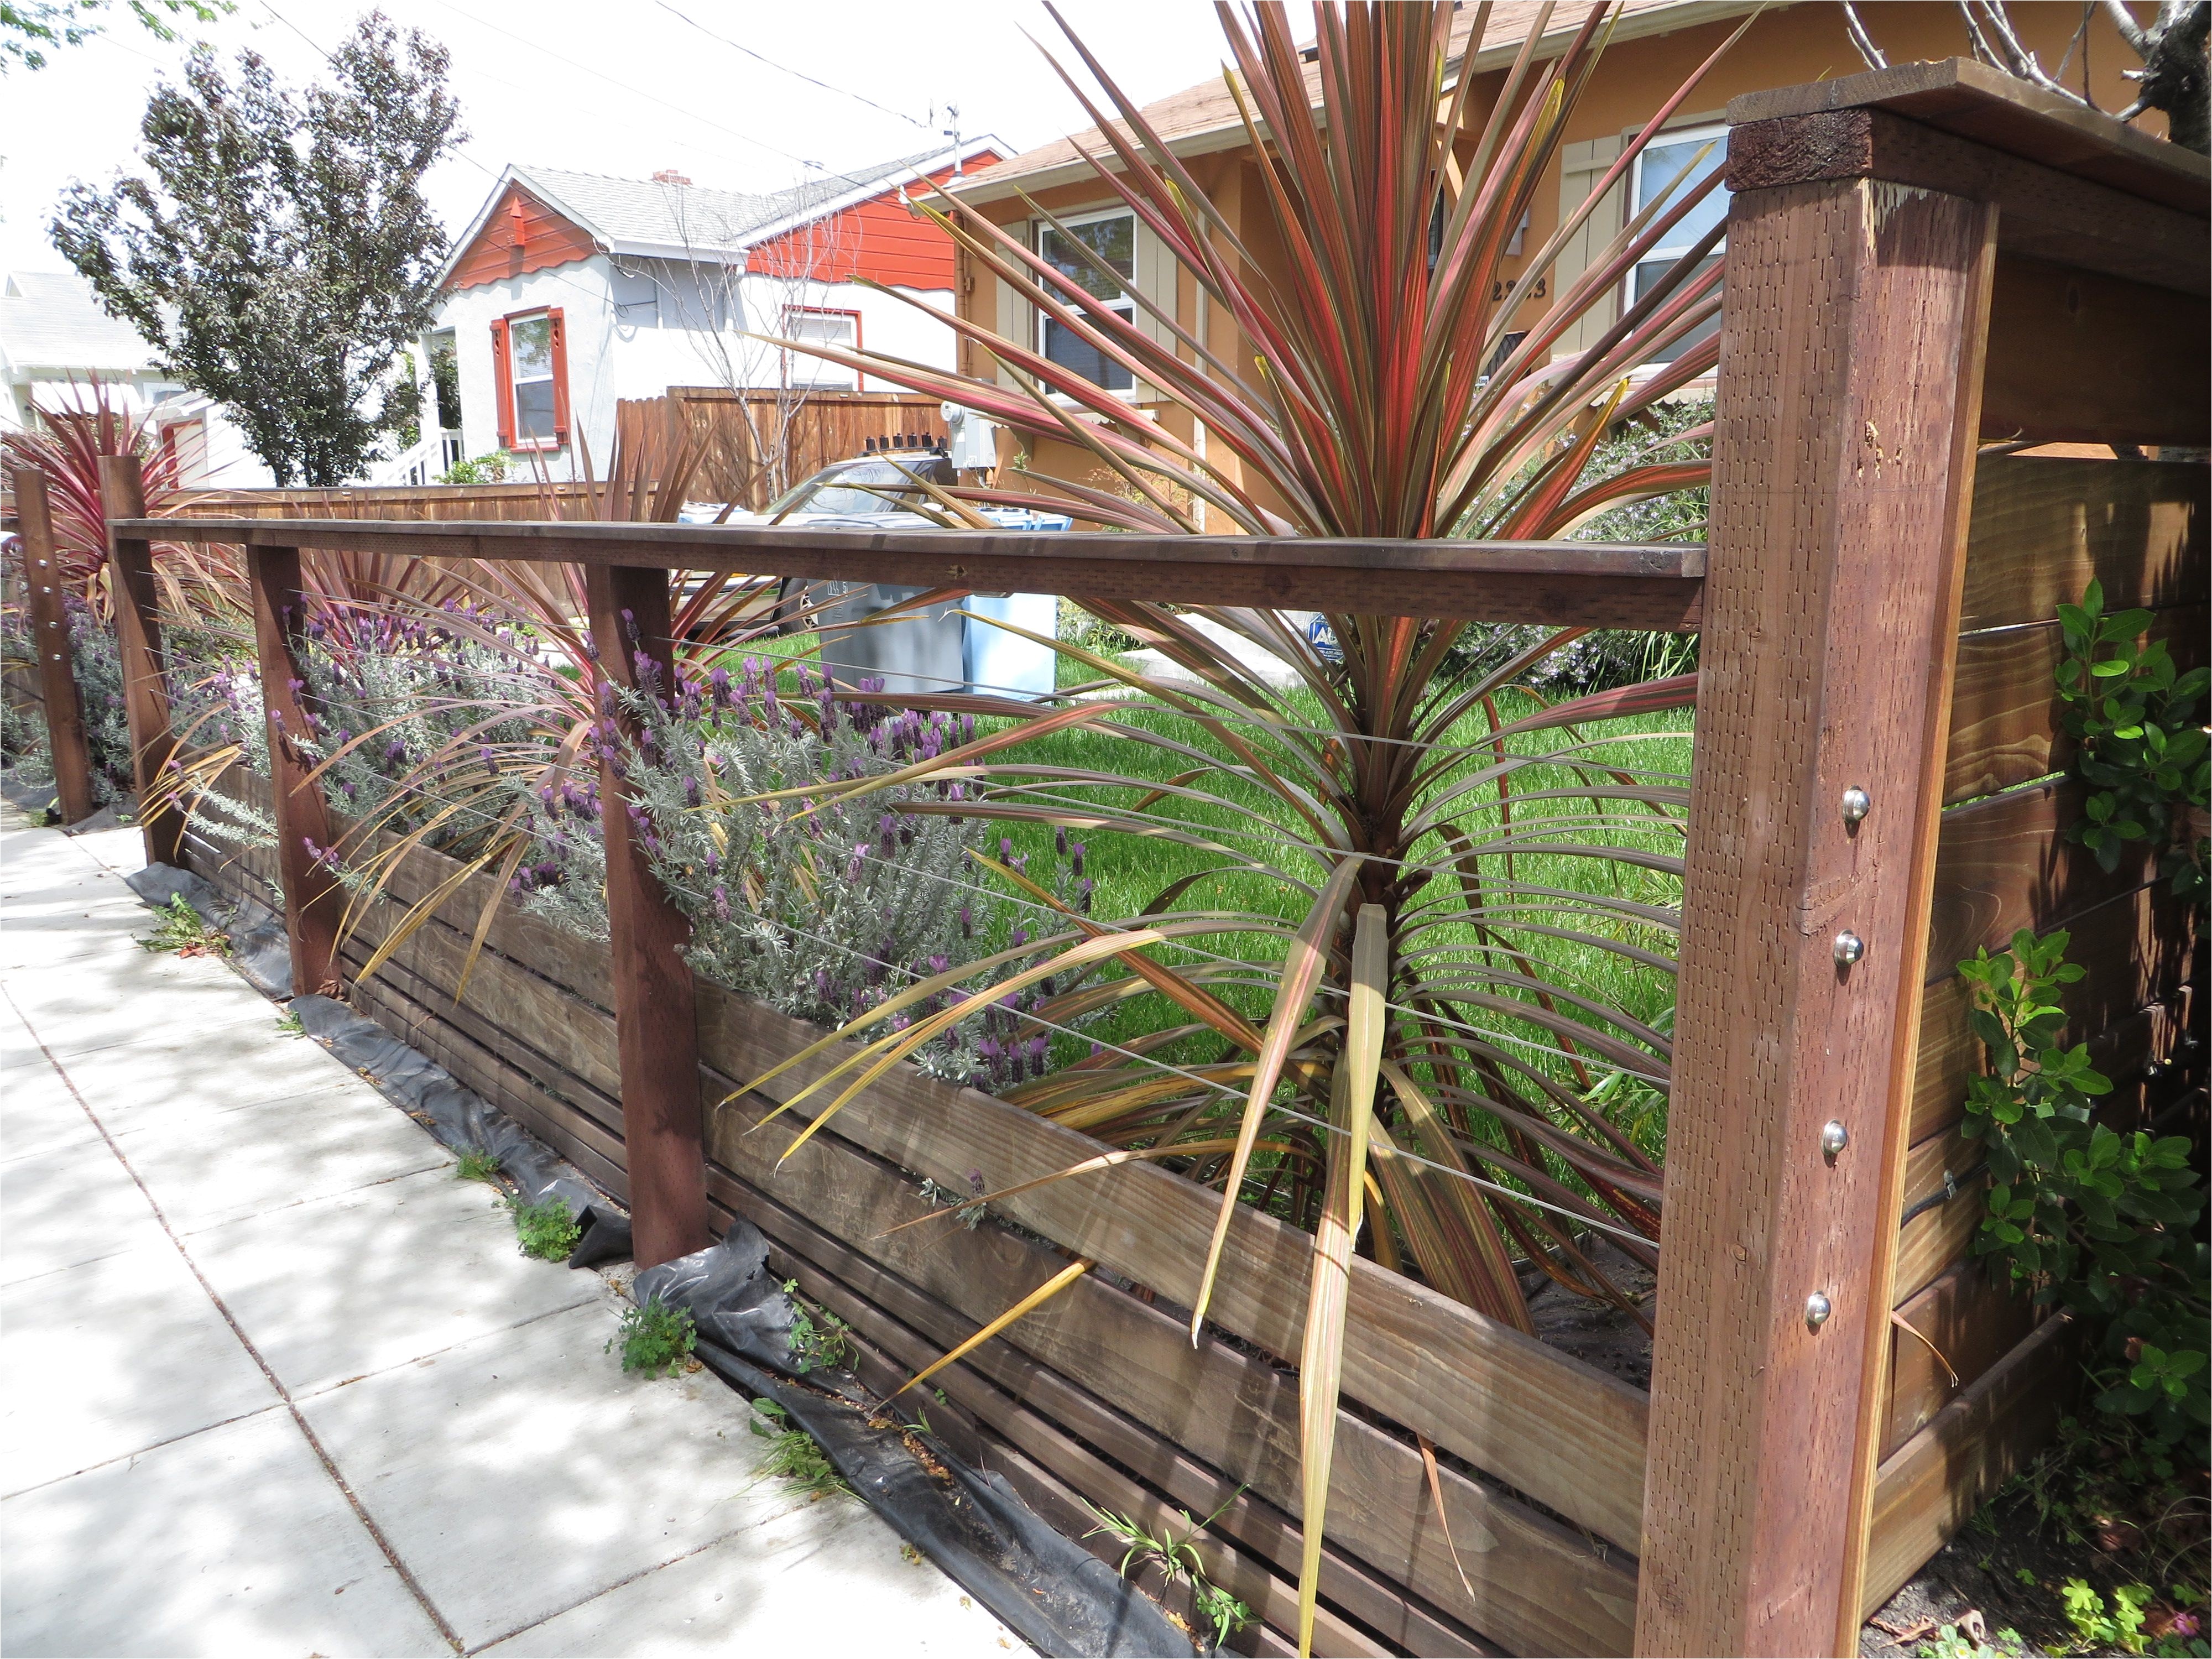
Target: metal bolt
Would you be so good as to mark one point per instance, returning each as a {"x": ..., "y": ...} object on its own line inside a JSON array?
[
  {"x": 1816, "y": 1311},
  {"x": 1833, "y": 1139},
  {"x": 1856, "y": 804},
  {"x": 1849, "y": 947}
]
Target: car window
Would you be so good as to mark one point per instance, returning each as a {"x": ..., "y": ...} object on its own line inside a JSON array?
[{"x": 842, "y": 490}]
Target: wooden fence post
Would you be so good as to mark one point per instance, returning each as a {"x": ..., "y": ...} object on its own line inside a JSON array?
[
  {"x": 656, "y": 1025},
  {"x": 314, "y": 907},
  {"x": 42, "y": 582},
  {"x": 138, "y": 639},
  {"x": 1843, "y": 460}
]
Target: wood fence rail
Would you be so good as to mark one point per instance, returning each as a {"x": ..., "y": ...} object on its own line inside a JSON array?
[{"x": 1919, "y": 262}]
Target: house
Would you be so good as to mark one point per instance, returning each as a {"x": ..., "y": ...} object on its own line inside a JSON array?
[
  {"x": 570, "y": 291},
  {"x": 56, "y": 341},
  {"x": 1655, "y": 46}
]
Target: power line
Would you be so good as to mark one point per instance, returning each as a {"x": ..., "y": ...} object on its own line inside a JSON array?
[{"x": 785, "y": 69}]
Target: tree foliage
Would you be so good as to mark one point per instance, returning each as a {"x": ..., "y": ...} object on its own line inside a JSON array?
[
  {"x": 29, "y": 28},
  {"x": 281, "y": 252}
]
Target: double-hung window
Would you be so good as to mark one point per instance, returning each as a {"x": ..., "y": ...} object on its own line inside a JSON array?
[
  {"x": 1655, "y": 180},
  {"x": 820, "y": 325},
  {"x": 1111, "y": 241},
  {"x": 530, "y": 354}
]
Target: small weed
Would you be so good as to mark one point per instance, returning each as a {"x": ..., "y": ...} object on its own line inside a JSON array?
[
  {"x": 2103, "y": 1628},
  {"x": 288, "y": 1024},
  {"x": 1176, "y": 1557},
  {"x": 476, "y": 1164},
  {"x": 1966, "y": 1641},
  {"x": 794, "y": 1456},
  {"x": 819, "y": 1339},
  {"x": 545, "y": 1230},
  {"x": 910, "y": 1555},
  {"x": 184, "y": 930},
  {"x": 656, "y": 1339}
]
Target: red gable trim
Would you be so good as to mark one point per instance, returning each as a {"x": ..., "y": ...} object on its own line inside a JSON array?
[
  {"x": 878, "y": 238},
  {"x": 520, "y": 234}
]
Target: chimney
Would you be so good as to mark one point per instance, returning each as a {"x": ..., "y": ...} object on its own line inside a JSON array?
[{"x": 670, "y": 176}]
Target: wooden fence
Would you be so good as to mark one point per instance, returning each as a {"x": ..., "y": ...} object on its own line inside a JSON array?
[
  {"x": 1922, "y": 261},
  {"x": 760, "y": 443}
]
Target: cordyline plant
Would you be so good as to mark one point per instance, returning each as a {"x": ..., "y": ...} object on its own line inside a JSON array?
[{"x": 1416, "y": 1034}]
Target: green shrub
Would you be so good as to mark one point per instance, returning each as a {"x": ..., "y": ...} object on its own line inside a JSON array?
[
  {"x": 544, "y": 1230},
  {"x": 656, "y": 1339},
  {"x": 184, "y": 930}
]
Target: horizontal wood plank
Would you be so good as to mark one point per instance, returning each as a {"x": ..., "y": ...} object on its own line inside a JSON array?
[
  {"x": 1567, "y": 583},
  {"x": 2081, "y": 356},
  {"x": 2003, "y": 113},
  {"x": 2044, "y": 526},
  {"x": 1973, "y": 1317},
  {"x": 2137, "y": 949},
  {"x": 1004, "y": 1372},
  {"x": 1928, "y": 1488},
  {"x": 2043, "y": 211},
  {"x": 1931, "y": 1240},
  {"x": 2004, "y": 863},
  {"x": 2006, "y": 717},
  {"x": 1561, "y": 1431},
  {"x": 1538, "y": 1586}
]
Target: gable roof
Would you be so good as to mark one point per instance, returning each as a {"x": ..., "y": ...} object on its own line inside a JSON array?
[
  {"x": 648, "y": 219},
  {"x": 1202, "y": 118},
  {"x": 49, "y": 321}
]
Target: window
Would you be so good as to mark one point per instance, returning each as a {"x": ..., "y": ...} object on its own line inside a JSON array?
[
  {"x": 1111, "y": 238},
  {"x": 529, "y": 356},
  {"x": 1655, "y": 169},
  {"x": 820, "y": 325}
]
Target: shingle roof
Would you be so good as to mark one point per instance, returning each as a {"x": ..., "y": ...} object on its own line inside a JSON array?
[
  {"x": 49, "y": 321},
  {"x": 1186, "y": 120},
  {"x": 642, "y": 212}
]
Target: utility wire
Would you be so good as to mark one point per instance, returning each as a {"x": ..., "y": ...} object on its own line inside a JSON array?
[{"x": 785, "y": 69}]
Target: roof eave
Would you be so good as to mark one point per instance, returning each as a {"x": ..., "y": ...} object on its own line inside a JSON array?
[{"x": 1657, "y": 19}]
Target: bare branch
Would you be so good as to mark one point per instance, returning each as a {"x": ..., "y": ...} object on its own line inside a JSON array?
[
  {"x": 1861, "y": 39},
  {"x": 2130, "y": 31}
]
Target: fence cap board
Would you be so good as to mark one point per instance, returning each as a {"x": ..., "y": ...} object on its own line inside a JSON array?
[
  {"x": 1972, "y": 101},
  {"x": 1594, "y": 583}
]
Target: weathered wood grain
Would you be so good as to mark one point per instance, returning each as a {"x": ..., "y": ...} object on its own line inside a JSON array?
[
  {"x": 1843, "y": 465},
  {"x": 1537, "y": 1586},
  {"x": 2004, "y": 113},
  {"x": 138, "y": 643},
  {"x": 656, "y": 1025},
  {"x": 1595, "y": 584},
  {"x": 1005, "y": 1383},
  {"x": 1928, "y": 1487},
  {"x": 314, "y": 904},
  {"x": 1974, "y": 1317},
  {"x": 2044, "y": 211},
  {"x": 48, "y": 621},
  {"x": 1938, "y": 1236},
  {"x": 2081, "y": 356},
  {"x": 2006, "y": 717},
  {"x": 2004, "y": 863},
  {"x": 2044, "y": 526},
  {"x": 2137, "y": 951},
  {"x": 1562, "y": 1432}
]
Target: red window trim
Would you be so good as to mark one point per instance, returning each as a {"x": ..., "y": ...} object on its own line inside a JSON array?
[
  {"x": 502, "y": 363},
  {"x": 859, "y": 381}
]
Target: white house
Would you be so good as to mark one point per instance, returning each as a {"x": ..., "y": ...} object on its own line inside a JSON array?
[{"x": 570, "y": 291}]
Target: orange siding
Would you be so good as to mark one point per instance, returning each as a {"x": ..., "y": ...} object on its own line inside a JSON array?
[
  {"x": 879, "y": 239},
  {"x": 522, "y": 233}
]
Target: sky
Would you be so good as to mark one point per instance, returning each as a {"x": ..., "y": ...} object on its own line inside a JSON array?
[{"x": 627, "y": 89}]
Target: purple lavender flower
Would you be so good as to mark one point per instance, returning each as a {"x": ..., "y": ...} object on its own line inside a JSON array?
[{"x": 722, "y": 905}]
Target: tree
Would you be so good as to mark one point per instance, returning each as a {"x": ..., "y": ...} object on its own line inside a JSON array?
[
  {"x": 28, "y": 27},
  {"x": 282, "y": 255}
]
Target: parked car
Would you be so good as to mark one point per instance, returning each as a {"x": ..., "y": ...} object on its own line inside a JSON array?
[{"x": 947, "y": 648}]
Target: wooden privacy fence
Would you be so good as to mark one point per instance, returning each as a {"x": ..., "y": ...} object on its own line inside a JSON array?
[
  {"x": 1921, "y": 262},
  {"x": 760, "y": 443}
]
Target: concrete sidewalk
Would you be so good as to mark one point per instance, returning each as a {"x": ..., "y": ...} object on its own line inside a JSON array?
[{"x": 273, "y": 1380}]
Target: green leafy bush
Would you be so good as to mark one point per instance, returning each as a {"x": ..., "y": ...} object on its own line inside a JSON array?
[
  {"x": 2140, "y": 739},
  {"x": 2091, "y": 1219},
  {"x": 820, "y": 1341},
  {"x": 544, "y": 1230},
  {"x": 184, "y": 930},
  {"x": 483, "y": 470},
  {"x": 2116, "y": 1627},
  {"x": 656, "y": 1339}
]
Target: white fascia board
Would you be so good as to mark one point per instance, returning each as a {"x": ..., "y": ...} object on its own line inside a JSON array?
[{"x": 970, "y": 149}]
